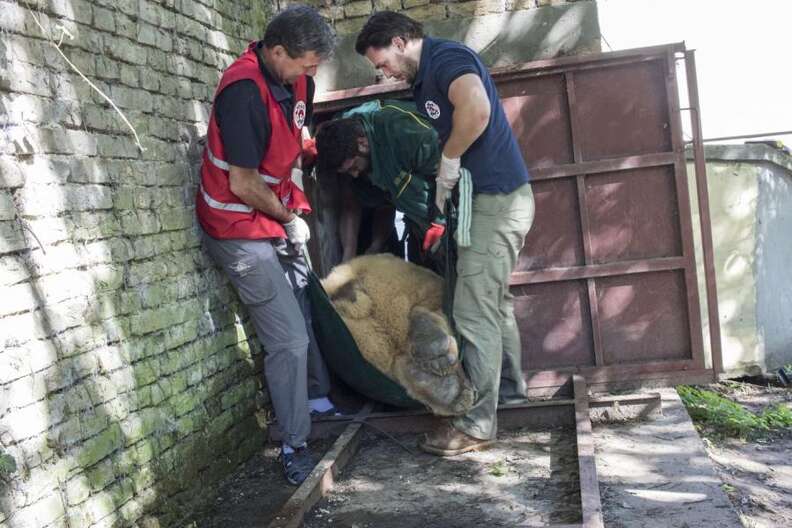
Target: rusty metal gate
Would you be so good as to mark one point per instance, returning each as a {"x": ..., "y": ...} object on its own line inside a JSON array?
[{"x": 606, "y": 283}]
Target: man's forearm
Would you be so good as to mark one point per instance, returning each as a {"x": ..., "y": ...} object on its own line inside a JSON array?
[
  {"x": 251, "y": 189},
  {"x": 466, "y": 128},
  {"x": 349, "y": 223},
  {"x": 471, "y": 114}
]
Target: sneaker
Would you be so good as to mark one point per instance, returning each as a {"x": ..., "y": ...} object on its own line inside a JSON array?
[
  {"x": 319, "y": 407},
  {"x": 297, "y": 465},
  {"x": 332, "y": 411},
  {"x": 447, "y": 440}
]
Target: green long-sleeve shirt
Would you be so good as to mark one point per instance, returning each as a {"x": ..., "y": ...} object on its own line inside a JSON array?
[{"x": 405, "y": 154}]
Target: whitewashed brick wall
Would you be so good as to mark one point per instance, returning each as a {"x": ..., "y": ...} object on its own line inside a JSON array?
[{"x": 127, "y": 385}]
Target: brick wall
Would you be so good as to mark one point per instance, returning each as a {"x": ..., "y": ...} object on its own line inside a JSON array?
[{"x": 128, "y": 382}]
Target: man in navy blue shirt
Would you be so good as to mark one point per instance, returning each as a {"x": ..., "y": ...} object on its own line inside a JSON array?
[{"x": 453, "y": 88}]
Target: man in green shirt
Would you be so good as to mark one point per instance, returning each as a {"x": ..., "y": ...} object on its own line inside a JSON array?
[{"x": 391, "y": 154}]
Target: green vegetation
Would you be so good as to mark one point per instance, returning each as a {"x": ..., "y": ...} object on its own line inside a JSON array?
[
  {"x": 498, "y": 469},
  {"x": 7, "y": 464},
  {"x": 724, "y": 417}
]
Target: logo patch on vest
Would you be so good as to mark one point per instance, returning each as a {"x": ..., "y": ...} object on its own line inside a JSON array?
[
  {"x": 299, "y": 114},
  {"x": 432, "y": 110}
]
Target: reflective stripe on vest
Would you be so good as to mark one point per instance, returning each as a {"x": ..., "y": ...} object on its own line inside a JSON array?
[
  {"x": 214, "y": 204},
  {"x": 223, "y": 165},
  {"x": 235, "y": 207}
]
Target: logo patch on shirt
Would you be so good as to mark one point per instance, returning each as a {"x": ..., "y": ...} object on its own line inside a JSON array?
[
  {"x": 432, "y": 110},
  {"x": 299, "y": 114}
]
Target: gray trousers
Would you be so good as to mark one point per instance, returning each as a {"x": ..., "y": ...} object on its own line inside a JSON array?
[
  {"x": 483, "y": 311},
  {"x": 270, "y": 277}
]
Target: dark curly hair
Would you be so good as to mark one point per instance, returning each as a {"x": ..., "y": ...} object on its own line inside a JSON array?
[
  {"x": 382, "y": 26},
  {"x": 336, "y": 142}
]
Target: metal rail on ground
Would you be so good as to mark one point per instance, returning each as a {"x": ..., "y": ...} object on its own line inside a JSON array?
[{"x": 578, "y": 411}]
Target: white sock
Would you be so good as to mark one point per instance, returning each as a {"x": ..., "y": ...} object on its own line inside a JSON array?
[
  {"x": 287, "y": 449},
  {"x": 320, "y": 405}
]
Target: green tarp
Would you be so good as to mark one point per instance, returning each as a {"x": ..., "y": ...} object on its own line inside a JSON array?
[{"x": 343, "y": 356}]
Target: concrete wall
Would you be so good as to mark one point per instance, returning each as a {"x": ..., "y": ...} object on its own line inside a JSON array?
[
  {"x": 503, "y": 31},
  {"x": 127, "y": 383},
  {"x": 750, "y": 193}
]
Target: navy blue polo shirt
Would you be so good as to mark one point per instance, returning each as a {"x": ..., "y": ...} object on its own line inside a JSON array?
[{"x": 494, "y": 159}]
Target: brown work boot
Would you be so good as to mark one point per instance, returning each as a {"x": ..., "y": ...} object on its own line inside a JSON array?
[{"x": 447, "y": 440}]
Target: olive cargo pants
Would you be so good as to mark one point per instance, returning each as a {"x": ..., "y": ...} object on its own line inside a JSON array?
[{"x": 483, "y": 311}]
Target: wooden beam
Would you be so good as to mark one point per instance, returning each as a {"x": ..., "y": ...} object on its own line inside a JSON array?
[{"x": 322, "y": 478}]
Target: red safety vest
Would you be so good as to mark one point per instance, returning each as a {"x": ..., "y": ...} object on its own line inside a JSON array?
[{"x": 221, "y": 213}]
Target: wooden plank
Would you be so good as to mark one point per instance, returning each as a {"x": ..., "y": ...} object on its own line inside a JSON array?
[
  {"x": 587, "y": 468},
  {"x": 322, "y": 478}
]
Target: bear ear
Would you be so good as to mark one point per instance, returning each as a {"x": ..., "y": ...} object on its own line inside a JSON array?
[
  {"x": 347, "y": 292},
  {"x": 340, "y": 276},
  {"x": 359, "y": 307}
]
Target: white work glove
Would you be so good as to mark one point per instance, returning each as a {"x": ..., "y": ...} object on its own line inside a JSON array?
[
  {"x": 297, "y": 231},
  {"x": 447, "y": 178}
]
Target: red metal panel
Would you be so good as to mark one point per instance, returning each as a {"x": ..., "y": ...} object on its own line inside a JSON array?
[
  {"x": 538, "y": 113},
  {"x": 554, "y": 323},
  {"x": 633, "y": 215},
  {"x": 555, "y": 238},
  {"x": 643, "y": 317},
  {"x": 606, "y": 282},
  {"x": 622, "y": 110}
]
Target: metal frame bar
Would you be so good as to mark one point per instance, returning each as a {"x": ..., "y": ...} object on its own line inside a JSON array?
[
  {"x": 590, "y": 502},
  {"x": 597, "y": 270},
  {"x": 585, "y": 223},
  {"x": 704, "y": 214},
  {"x": 685, "y": 217},
  {"x": 338, "y": 99},
  {"x": 656, "y": 159},
  {"x": 575, "y": 411}
]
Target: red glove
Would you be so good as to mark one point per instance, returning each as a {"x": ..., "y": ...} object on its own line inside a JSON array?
[
  {"x": 309, "y": 152},
  {"x": 433, "y": 236}
]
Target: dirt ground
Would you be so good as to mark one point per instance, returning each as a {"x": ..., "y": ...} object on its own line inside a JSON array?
[
  {"x": 527, "y": 479},
  {"x": 253, "y": 494},
  {"x": 651, "y": 474},
  {"x": 757, "y": 474}
]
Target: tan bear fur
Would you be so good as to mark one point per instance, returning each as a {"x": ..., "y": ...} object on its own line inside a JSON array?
[{"x": 393, "y": 309}]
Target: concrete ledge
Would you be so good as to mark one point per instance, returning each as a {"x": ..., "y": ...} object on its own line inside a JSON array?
[{"x": 746, "y": 152}]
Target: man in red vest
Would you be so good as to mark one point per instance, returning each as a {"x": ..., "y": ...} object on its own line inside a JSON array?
[{"x": 249, "y": 205}]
